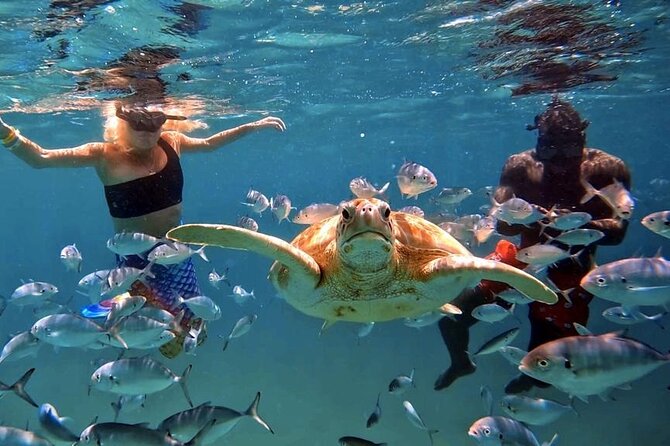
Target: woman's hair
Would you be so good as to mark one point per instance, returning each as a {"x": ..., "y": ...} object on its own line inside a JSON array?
[{"x": 116, "y": 129}]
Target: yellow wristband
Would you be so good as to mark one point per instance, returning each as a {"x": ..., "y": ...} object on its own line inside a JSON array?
[
  {"x": 15, "y": 143},
  {"x": 10, "y": 137}
]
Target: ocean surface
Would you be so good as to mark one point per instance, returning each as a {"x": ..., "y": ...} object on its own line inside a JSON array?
[{"x": 362, "y": 87}]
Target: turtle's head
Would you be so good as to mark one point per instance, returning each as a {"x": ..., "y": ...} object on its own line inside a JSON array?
[{"x": 365, "y": 234}]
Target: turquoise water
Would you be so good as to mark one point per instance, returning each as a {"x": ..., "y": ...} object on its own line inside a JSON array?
[{"x": 361, "y": 87}]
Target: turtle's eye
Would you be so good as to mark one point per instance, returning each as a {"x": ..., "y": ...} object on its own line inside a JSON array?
[
  {"x": 347, "y": 215},
  {"x": 385, "y": 211}
]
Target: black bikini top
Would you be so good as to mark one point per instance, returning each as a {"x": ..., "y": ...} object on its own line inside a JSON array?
[{"x": 148, "y": 194}]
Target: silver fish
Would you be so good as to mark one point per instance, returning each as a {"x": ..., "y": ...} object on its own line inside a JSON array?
[
  {"x": 569, "y": 221},
  {"x": 413, "y": 210},
  {"x": 450, "y": 196},
  {"x": 32, "y": 293},
  {"x": 20, "y": 346},
  {"x": 631, "y": 282},
  {"x": 504, "y": 431},
  {"x": 513, "y": 354},
  {"x": 203, "y": 307},
  {"x": 241, "y": 327},
  {"x": 256, "y": 201},
  {"x": 362, "y": 188},
  {"x": 365, "y": 330},
  {"x": 484, "y": 229},
  {"x": 131, "y": 243},
  {"x": 497, "y": 342},
  {"x": 579, "y": 237},
  {"x": 67, "y": 330},
  {"x": 120, "y": 279},
  {"x": 357, "y": 441},
  {"x": 18, "y": 388},
  {"x": 512, "y": 211},
  {"x": 423, "y": 320},
  {"x": 415, "y": 419},
  {"x": 177, "y": 253},
  {"x": 54, "y": 425},
  {"x": 415, "y": 179},
  {"x": 19, "y": 437},
  {"x": 127, "y": 403},
  {"x": 242, "y": 296},
  {"x": 247, "y": 222},
  {"x": 376, "y": 414},
  {"x": 121, "y": 434},
  {"x": 535, "y": 411},
  {"x": 183, "y": 425},
  {"x": 314, "y": 213},
  {"x": 591, "y": 365},
  {"x": 215, "y": 278},
  {"x": 401, "y": 383},
  {"x": 136, "y": 331},
  {"x": 280, "y": 205},
  {"x": 615, "y": 195},
  {"x": 631, "y": 316},
  {"x": 123, "y": 307},
  {"x": 540, "y": 256},
  {"x": 658, "y": 222},
  {"x": 92, "y": 284},
  {"x": 71, "y": 258},
  {"x": 136, "y": 376},
  {"x": 492, "y": 312}
]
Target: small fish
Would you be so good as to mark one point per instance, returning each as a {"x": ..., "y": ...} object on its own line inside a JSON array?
[
  {"x": 459, "y": 231},
  {"x": 415, "y": 419},
  {"x": 71, "y": 258},
  {"x": 484, "y": 229},
  {"x": 569, "y": 221},
  {"x": 615, "y": 195},
  {"x": 591, "y": 365},
  {"x": 18, "y": 388},
  {"x": 191, "y": 341},
  {"x": 203, "y": 307},
  {"x": 241, "y": 296},
  {"x": 423, "y": 320},
  {"x": 365, "y": 330},
  {"x": 15, "y": 436},
  {"x": 630, "y": 316},
  {"x": 215, "y": 278},
  {"x": 376, "y": 414},
  {"x": 513, "y": 354},
  {"x": 113, "y": 434},
  {"x": 136, "y": 376},
  {"x": 631, "y": 282},
  {"x": 32, "y": 293},
  {"x": 513, "y": 211},
  {"x": 578, "y": 237},
  {"x": 314, "y": 213},
  {"x": 535, "y": 411},
  {"x": 401, "y": 383},
  {"x": 136, "y": 332},
  {"x": 241, "y": 327},
  {"x": 413, "y": 210},
  {"x": 132, "y": 243},
  {"x": 504, "y": 431},
  {"x": 357, "y": 441},
  {"x": 658, "y": 222},
  {"x": 120, "y": 279},
  {"x": 581, "y": 330},
  {"x": 513, "y": 296},
  {"x": 280, "y": 205},
  {"x": 127, "y": 403},
  {"x": 247, "y": 222},
  {"x": 20, "y": 346},
  {"x": 256, "y": 201},
  {"x": 54, "y": 425},
  {"x": 92, "y": 284},
  {"x": 487, "y": 398},
  {"x": 177, "y": 253},
  {"x": 539, "y": 256},
  {"x": 450, "y": 196},
  {"x": 123, "y": 307},
  {"x": 497, "y": 342},
  {"x": 362, "y": 188},
  {"x": 415, "y": 179},
  {"x": 492, "y": 312},
  {"x": 69, "y": 330}
]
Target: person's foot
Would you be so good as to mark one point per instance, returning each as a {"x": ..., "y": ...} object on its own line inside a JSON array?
[
  {"x": 453, "y": 373},
  {"x": 524, "y": 383}
]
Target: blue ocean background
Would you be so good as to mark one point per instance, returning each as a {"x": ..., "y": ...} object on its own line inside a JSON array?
[{"x": 362, "y": 87}]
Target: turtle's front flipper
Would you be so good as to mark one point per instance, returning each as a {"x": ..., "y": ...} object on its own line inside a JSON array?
[
  {"x": 233, "y": 237},
  {"x": 470, "y": 269}
]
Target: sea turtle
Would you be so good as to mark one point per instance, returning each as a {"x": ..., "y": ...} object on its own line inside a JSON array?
[{"x": 367, "y": 264}]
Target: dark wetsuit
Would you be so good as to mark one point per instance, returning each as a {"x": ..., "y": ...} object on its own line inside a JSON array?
[{"x": 525, "y": 177}]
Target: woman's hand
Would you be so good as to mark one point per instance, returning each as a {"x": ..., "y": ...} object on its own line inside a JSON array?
[{"x": 270, "y": 122}]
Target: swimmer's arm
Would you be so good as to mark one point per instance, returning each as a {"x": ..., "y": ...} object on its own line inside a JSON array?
[
  {"x": 87, "y": 155},
  {"x": 188, "y": 144}
]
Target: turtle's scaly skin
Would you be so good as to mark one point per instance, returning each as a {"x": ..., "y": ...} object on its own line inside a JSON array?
[{"x": 367, "y": 264}]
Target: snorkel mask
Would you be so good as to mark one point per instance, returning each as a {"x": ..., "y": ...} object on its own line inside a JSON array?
[
  {"x": 561, "y": 132},
  {"x": 143, "y": 120}
]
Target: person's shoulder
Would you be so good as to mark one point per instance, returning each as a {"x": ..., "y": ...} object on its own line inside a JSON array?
[
  {"x": 521, "y": 159},
  {"x": 599, "y": 154}
]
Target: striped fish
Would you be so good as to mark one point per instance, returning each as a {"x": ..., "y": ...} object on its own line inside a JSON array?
[{"x": 591, "y": 365}]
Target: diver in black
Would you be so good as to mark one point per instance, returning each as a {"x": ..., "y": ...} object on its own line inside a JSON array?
[{"x": 550, "y": 177}]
